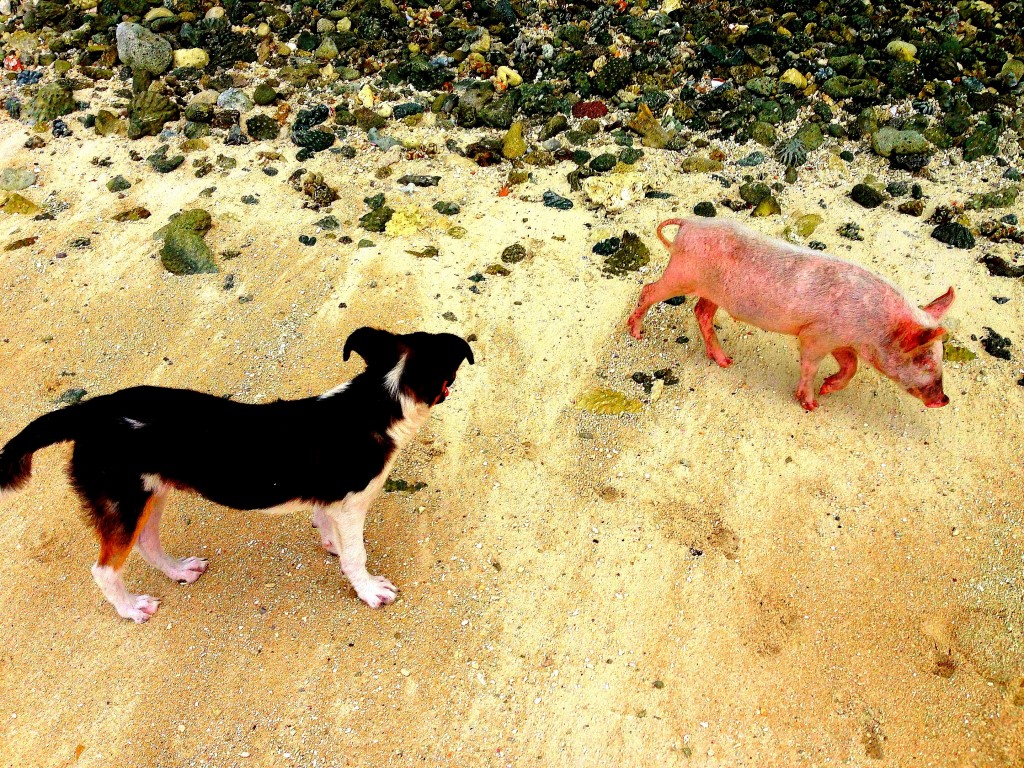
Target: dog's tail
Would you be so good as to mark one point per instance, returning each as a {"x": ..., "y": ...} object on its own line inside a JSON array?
[
  {"x": 669, "y": 223},
  {"x": 16, "y": 457}
]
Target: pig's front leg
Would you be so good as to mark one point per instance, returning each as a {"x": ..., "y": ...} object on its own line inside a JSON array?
[
  {"x": 705, "y": 312},
  {"x": 847, "y": 359},
  {"x": 811, "y": 355},
  {"x": 651, "y": 294}
]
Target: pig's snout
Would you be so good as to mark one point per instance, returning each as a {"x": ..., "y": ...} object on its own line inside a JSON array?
[{"x": 932, "y": 397}]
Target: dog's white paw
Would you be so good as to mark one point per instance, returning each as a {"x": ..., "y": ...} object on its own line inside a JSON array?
[
  {"x": 138, "y": 608},
  {"x": 376, "y": 591},
  {"x": 189, "y": 569}
]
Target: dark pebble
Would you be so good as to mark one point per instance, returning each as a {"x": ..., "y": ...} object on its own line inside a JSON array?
[
  {"x": 705, "y": 209},
  {"x": 996, "y": 344},
  {"x": 420, "y": 181},
  {"x": 446, "y": 208},
  {"x": 1000, "y": 299},
  {"x": 250, "y": 199},
  {"x": 954, "y": 234},
  {"x": 72, "y": 396},
  {"x": 675, "y": 301},
  {"x": 554, "y": 200},
  {"x": 683, "y": 340},
  {"x": 607, "y": 247},
  {"x": 866, "y": 195},
  {"x": 270, "y": 171}
]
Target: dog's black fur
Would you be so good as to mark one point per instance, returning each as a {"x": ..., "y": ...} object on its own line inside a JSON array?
[{"x": 317, "y": 450}]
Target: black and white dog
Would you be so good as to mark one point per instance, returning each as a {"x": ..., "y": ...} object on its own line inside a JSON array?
[{"x": 331, "y": 453}]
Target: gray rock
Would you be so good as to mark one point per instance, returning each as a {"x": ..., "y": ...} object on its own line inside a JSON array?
[
  {"x": 887, "y": 141},
  {"x": 234, "y": 98},
  {"x": 13, "y": 179},
  {"x": 143, "y": 50}
]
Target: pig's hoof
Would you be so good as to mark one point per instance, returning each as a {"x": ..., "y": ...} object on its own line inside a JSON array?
[
  {"x": 809, "y": 405},
  {"x": 722, "y": 359}
]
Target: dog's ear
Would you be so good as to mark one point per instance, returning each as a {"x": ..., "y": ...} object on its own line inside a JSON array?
[
  {"x": 372, "y": 344},
  {"x": 461, "y": 347}
]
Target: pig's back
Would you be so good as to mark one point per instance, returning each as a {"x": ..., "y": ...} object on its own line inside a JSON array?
[{"x": 787, "y": 289}]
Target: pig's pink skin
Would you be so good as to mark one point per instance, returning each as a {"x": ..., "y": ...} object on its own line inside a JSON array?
[{"x": 832, "y": 306}]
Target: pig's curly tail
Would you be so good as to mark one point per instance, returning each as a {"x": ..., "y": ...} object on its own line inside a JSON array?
[{"x": 666, "y": 223}]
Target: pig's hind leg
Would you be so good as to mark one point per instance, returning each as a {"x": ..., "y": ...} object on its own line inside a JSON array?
[
  {"x": 651, "y": 294},
  {"x": 811, "y": 355},
  {"x": 847, "y": 359},
  {"x": 705, "y": 312}
]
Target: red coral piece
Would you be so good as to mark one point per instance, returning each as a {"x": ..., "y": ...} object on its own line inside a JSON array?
[{"x": 591, "y": 109}]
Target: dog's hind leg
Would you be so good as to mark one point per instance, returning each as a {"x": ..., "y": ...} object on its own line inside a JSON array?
[
  {"x": 322, "y": 522},
  {"x": 182, "y": 570},
  {"x": 118, "y": 525}
]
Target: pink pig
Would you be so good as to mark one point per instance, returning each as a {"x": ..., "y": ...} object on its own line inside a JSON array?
[{"x": 832, "y": 306}]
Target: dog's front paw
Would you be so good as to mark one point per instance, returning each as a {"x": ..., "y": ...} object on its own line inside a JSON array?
[
  {"x": 189, "y": 570},
  {"x": 376, "y": 591},
  {"x": 138, "y": 608}
]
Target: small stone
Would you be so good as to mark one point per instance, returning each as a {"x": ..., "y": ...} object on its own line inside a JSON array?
[
  {"x": 14, "y": 179},
  {"x": 195, "y": 58},
  {"x": 446, "y": 208},
  {"x": 902, "y": 51},
  {"x": 554, "y": 200},
  {"x": 71, "y": 396},
  {"x": 143, "y": 50},
  {"x": 419, "y": 180},
  {"x": 999, "y": 266},
  {"x": 866, "y": 196},
  {"x": 513, "y": 254},
  {"x": 631, "y": 255},
  {"x": 851, "y": 231},
  {"x": 996, "y": 345},
  {"x": 513, "y": 146},
  {"x": 887, "y": 141},
  {"x": 794, "y": 78},
  {"x": 262, "y": 128},
  {"x": 754, "y": 192},
  {"x": 16, "y": 204},
  {"x": 235, "y": 99},
  {"x": 911, "y": 207},
  {"x": 764, "y": 134},
  {"x": 701, "y": 164},
  {"x": 132, "y": 214},
  {"x": 51, "y": 101},
  {"x": 603, "y": 163},
  {"x": 118, "y": 184},
  {"x": 705, "y": 209},
  {"x": 377, "y": 219},
  {"x": 955, "y": 234},
  {"x": 806, "y": 224},
  {"x": 647, "y": 125},
  {"x": 767, "y": 207}
]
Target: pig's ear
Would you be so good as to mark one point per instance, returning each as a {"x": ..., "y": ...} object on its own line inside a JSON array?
[
  {"x": 909, "y": 335},
  {"x": 941, "y": 305}
]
